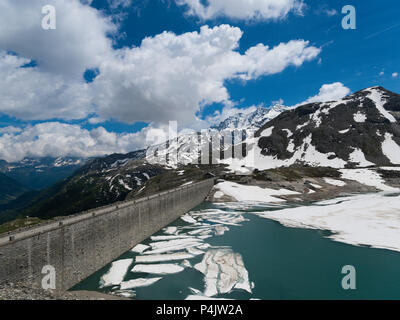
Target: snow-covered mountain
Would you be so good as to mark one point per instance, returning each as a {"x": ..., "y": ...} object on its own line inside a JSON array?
[
  {"x": 38, "y": 173},
  {"x": 192, "y": 148},
  {"x": 359, "y": 130},
  {"x": 254, "y": 120}
]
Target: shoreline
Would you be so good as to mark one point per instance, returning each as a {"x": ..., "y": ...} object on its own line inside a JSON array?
[{"x": 22, "y": 291}]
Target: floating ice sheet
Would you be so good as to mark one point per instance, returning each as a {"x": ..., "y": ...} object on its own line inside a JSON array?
[
  {"x": 163, "y": 257},
  {"x": 371, "y": 219},
  {"x": 187, "y": 218},
  {"x": 117, "y": 272},
  {"x": 223, "y": 271},
  {"x": 138, "y": 283},
  {"x": 158, "y": 268},
  {"x": 140, "y": 248},
  {"x": 170, "y": 230}
]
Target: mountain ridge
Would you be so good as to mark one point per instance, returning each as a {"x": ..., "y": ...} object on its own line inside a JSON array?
[{"x": 360, "y": 130}]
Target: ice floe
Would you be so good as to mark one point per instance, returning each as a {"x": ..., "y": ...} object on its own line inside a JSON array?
[
  {"x": 186, "y": 264},
  {"x": 335, "y": 182},
  {"x": 187, "y": 218},
  {"x": 124, "y": 293},
  {"x": 201, "y": 297},
  {"x": 195, "y": 251},
  {"x": 140, "y": 248},
  {"x": 371, "y": 219},
  {"x": 252, "y": 193},
  {"x": 138, "y": 283},
  {"x": 116, "y": 273},
  {"x": 170, "y": 230},
  {"x": 169, "y": 237},
  {"x": 167, "y": 268},
  {"x": 163, "y": 257},
  {"x": 223, "y": 271},
  {"x": 173, "y": 245}
]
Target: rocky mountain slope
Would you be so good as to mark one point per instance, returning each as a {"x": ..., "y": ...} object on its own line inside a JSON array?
[
  {"x": 100, "y": 182},
  {"x": 360, "y": 130},
  {"x": 10, "y": 189}
]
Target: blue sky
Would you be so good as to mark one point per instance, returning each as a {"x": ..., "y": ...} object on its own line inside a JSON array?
[{"x": 356, "y": 59}]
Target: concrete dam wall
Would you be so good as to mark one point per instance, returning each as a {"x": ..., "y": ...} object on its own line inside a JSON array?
[{"x": 80, "y": 245}]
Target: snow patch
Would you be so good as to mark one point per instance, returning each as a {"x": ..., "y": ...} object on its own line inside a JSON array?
[
  {"x": 360, "y": 117},
  {"x": 367, "y": 177},
  {"x": 357, "y": 156},
  {"x": 251, "y": 193},
  {"x": 391, "y": 149},
  {"x": 377, "y": 98},
  {"x": 335, "y": 182},
  {"x": 267, "y": 132}
]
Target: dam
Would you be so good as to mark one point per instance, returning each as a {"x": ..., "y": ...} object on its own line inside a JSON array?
[{"x": 79, "y": 245}]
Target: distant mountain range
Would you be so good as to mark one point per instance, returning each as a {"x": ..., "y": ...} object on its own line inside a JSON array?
[
  {"x": 253, "y": 120},
  {"x": 40, "y": 173}
]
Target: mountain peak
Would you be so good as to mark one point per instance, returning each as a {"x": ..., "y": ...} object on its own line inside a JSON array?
[
  {"x": 378, "y": 89},
  {"x": 255, "y": 119}
]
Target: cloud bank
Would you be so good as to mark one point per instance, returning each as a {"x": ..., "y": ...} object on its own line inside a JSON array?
[{"x": 167, "y": 77}]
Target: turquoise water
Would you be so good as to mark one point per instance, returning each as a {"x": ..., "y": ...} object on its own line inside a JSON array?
[{"x": 283, "y": 263}]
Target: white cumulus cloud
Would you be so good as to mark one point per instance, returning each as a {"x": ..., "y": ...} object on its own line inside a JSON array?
[
  {"x": 31, "y": 94},
  {"x": 329, "y": 92},
  {"x": 243, "y": 9},
  {"x": 55, "y": 139},
  {"x": 167, "y": 77},
  {"x": 170, "y": 77}
]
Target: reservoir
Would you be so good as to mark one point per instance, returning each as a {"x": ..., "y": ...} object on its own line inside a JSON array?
[{"x": 230, "y": 251}]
